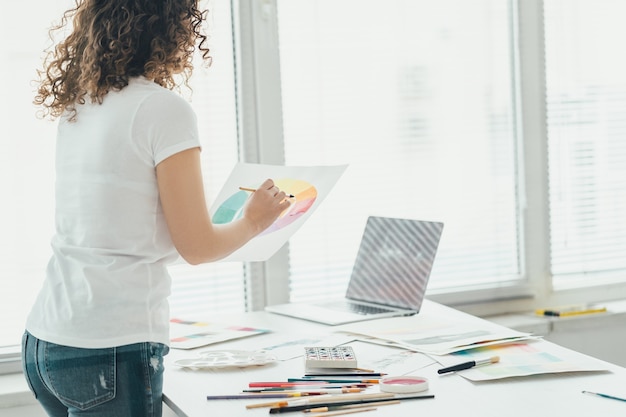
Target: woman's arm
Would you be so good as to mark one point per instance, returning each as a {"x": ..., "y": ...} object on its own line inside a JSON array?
[{"x": 196, "y": 238}]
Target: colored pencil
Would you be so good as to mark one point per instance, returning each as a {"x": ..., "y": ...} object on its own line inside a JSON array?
[
  {"x": 287, "y": 409},
  {"x": 344, "y": 407},
  {"x": 334, "y": 381},
  {"x": 364, "y": 374},
  {"x": 260, "y": 395},
  {"x": 335, "y": 390},
  {"x": 342, "y": 412}
]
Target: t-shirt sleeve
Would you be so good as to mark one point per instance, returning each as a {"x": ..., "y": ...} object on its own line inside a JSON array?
[{"x": 168, "y": 124}]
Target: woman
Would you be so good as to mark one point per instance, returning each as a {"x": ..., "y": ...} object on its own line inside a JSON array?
[{"x": 129, "y": 200}]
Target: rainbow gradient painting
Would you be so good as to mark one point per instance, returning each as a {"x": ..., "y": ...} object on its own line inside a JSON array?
[
  {"x": 304, "y": 195},
  {"x": 308, "y": 185}
]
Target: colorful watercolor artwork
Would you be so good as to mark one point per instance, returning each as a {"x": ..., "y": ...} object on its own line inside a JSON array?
[
  {"x": 308, "y": 185},
  {"x": 304, "y": 195},
  {"x": 522, "y": 359},
  {"x": 189, "y": 334}
]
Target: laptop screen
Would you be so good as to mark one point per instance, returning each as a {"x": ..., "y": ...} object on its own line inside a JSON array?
[{"x": 394, "y": 261}]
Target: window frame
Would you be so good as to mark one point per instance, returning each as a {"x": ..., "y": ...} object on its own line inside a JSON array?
[{"x": 262, "y": 141}]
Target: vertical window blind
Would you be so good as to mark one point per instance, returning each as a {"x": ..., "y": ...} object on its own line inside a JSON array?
[
  {"x": 586, "y": 104},
  {"x": 418, "y": 98},
  {"x": 198, "y": 291}
]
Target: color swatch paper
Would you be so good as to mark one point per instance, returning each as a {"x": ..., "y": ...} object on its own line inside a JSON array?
[{"x": 308, "y": 185}]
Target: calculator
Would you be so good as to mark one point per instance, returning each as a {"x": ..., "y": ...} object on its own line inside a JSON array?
[{"x": 329, "y": 357}]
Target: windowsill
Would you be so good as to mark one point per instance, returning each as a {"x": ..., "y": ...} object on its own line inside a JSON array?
[
  {"x": 14, "y": 391},
  {"x": 531, "y": 323}
]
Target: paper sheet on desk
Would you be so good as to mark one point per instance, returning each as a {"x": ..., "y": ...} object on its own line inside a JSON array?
[
  {"x": 289, "y": 346},
  {"x": 389, "y": 359},
  {"x": 188, "y": 334},
  {"x": 308, "y": 185},
  {"x": 437, "y": 337},
  {"x": 523, "y": 359}
]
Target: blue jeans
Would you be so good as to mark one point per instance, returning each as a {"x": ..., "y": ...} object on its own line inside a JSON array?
[{"x": 125, "y": 381}]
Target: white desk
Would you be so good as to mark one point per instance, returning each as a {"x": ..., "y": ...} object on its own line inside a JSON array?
[{"x": 544, "y": 395}]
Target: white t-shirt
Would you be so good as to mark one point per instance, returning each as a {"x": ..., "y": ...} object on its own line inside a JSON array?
[{"x": 107, "y": 281}]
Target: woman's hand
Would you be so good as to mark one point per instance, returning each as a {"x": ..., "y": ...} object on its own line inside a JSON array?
[
  {"x": 196, "y": 238},
  {"x": 265, "y": 205}
]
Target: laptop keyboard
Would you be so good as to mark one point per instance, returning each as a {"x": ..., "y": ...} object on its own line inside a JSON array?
[{"x": 357, "y": 308}]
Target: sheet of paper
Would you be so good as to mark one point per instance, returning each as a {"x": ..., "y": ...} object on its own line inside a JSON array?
[
  {"x": 521, "y": 359},
  {"x": 390, "y": 360},
  {"x": 308, "y": 185},
  {"x": 187, "y": 334},
  {"x": 437, "y": 336},
  {"x": 290, "y": 346}
]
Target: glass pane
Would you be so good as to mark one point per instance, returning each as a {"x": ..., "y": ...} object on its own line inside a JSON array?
[
  {"x": 26, "y": 164},
  {"x": 198, "y": 290},
  {"x": 417, "y": 97},
  {"x": 586, "y": 98}
]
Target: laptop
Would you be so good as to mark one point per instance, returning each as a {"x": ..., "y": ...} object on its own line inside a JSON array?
[{"x": 389, "y": 276}]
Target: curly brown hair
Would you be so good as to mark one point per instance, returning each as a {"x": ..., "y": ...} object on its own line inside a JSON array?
[{"x": 114, "y": 40}]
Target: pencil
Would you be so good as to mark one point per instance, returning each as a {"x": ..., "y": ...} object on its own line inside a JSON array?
[
  {"x": 330, "y": 390},
  {"x": 327, "y": 400},
  {"x": 334, "y": 381},
  {"x": 342, "y": 412},
  {"x": 344, "y": 407},
  {"x": 261, "y": 405},
  {"x": 306, "y": 383},
  {"x": 310, "y": 404},
  {"x": 260, "y": 395},
  {"x": 363, "y": 374},
  {"x": 254, "y": 189}
]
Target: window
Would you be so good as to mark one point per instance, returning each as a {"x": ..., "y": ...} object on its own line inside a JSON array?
[
  {"x": 419, "y": 99},
  {"x": 586, "y": 102},
  {"x": 446, "y": 110},
  {"x": 197, "y": 290},
  {"x": 26, "y": 166}
]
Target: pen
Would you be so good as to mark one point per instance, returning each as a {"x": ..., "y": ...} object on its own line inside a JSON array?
[
  {"x": 597, "y": 394},
  {"x": 254, "y": 189},
  {"x": 469, "y": 364}
]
